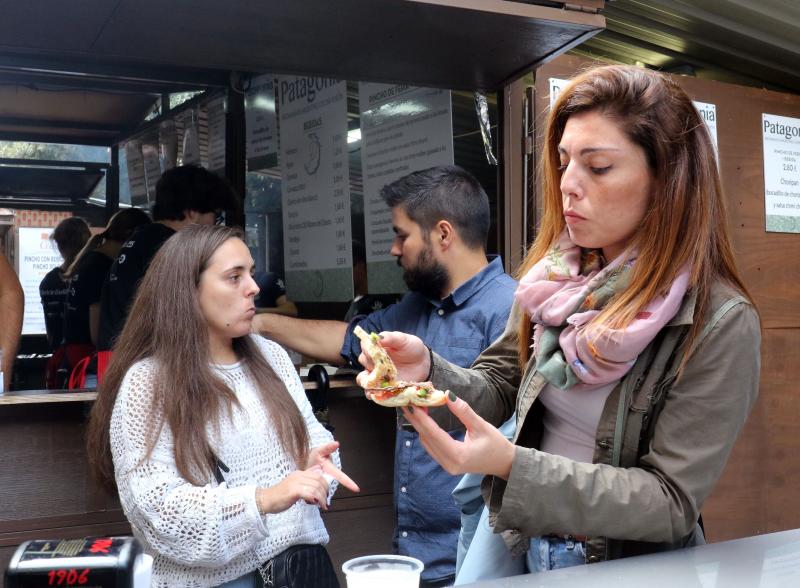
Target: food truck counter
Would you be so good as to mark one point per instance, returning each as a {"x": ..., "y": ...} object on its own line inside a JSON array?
[{"x": 766, "y": 561}]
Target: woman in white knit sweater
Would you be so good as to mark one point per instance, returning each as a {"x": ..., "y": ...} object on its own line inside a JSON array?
[{"x": 205, "y": 429}]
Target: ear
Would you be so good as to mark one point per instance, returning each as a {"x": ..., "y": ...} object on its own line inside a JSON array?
[
  {"x": 444, "y": 234},
  {"x": 190, "y": 216}
]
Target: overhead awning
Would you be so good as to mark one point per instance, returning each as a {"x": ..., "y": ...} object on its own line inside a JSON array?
[{"x": 126, "y": 53}]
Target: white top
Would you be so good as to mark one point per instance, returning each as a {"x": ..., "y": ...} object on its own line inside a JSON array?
[
  {"x": 570, "y": 419},
  {"x": 207, "y": 535}
]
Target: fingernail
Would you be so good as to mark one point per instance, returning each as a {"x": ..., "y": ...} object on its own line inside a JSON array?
[
  {"x": 410, "y": 409},
  {"x": 451, "y": 396}
]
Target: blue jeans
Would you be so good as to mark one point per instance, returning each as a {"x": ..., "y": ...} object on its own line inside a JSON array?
[
  {"x": 488, "y": 557},
  {"x": 551, "y": 553}
]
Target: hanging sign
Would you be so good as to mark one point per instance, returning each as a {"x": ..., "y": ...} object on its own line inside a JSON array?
[
  {"x": 136, "y": 177},
  {"x": 403, "y": 129},
  {"x": 315, "y": 189},
  {"x": 261, "y": 126},
  {"x": 781, "y": 136},
  {"x": 215, "y": 110}
]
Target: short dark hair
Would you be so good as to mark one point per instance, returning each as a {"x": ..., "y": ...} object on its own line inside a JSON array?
[
  {"x": 190, "y": 187},
  {"x": 446, "y": 192},
  {"x": 70, "y": 236}
]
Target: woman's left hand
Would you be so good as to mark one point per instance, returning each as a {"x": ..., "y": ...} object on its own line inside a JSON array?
[
  {"x": 485, "y": 450},
  {"x": 321, "y": 456}
]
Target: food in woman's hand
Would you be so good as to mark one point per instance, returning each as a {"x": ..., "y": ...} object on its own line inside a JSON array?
[
  {"x": 381, "y": 385},
  {"x": 383, "y": 373}
]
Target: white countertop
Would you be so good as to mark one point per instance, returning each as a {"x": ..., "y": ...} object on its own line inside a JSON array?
[{"x": 763, "y": 561}]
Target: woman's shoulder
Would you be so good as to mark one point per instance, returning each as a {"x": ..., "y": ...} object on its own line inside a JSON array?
[
  {"x": 276, "y": 355},
  {"x": 139, "y": 378}
]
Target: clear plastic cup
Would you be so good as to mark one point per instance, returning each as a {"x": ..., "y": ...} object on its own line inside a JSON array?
[{"x": 385, "y": 571}]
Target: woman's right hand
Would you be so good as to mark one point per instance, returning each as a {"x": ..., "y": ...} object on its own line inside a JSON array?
[
  {"x": 307, "y": 485},
  {"x": 409, "y": 354}
]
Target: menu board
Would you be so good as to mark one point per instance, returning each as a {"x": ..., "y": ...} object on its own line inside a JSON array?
[
  {"x": 315, "y": 189},
  {"x": 781, "y": 136},
  {"x": 403, "y": 129},
  {"x": 215, "y": 110},
  {"x": 136, "y": 178},
  {"x": 152, "y": 164},
  {"x": 37, "y": 255},
  {"x": 261, "y": 126}
]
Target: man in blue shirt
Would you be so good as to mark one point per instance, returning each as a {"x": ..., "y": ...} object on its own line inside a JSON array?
[{"x": 458, "y": 304}]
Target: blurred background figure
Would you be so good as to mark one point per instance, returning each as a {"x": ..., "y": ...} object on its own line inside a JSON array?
[
  {"x": 86, "y": 276},
  {"x": 70, "y": 236},
  {"x": 12, "y": 307},
  {"x": 364, "y": 303},
  {"x": 272, "y": 295}
]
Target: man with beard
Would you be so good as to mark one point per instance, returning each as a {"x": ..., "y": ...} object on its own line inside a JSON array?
[{"x": 458, "y": 303}]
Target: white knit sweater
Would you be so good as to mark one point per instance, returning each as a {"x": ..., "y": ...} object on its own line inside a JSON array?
[{"x": 207, "y": 535}]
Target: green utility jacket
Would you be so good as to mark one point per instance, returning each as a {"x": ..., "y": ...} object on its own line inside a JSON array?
[{"x": 670, "y": 438}]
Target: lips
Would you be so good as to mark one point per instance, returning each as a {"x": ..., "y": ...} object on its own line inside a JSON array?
[{"x": 572, "y": 217}]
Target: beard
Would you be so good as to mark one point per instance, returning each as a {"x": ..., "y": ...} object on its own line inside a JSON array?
[{"x": 428, "y": 276}]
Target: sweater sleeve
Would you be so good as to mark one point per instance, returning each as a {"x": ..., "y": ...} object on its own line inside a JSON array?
[{"x": 194, "y": 525}]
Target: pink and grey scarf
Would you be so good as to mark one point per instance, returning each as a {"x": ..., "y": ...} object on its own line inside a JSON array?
[{"x": 563, "y": 292}]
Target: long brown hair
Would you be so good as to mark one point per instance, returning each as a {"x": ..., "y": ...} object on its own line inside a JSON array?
[
  {"x": 166, "y": 324},
  {"x": 686, "y": 222},
  {"x": 119, "y": 228}
]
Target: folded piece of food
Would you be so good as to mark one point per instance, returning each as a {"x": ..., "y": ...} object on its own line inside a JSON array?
[{"x": 381, "y": 384}]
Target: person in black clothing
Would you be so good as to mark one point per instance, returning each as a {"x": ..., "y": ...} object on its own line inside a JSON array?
[
  {"x": 271, "y": 295},
  {"x": 86, "y": 276},
  {"x": 365, "y": 303},
  {"x": 70, "y": 236},
  {"x": 184, "y": 195}
]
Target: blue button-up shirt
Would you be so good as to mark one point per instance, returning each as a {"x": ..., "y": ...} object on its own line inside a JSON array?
[{"x": 458, "y": 328}]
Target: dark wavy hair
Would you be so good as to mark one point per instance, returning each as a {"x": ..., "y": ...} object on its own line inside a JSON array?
[{"x": 170, "y": 329}]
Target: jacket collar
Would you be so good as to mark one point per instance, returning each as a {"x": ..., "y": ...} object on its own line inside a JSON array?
[{"x": 685, "y": 315}]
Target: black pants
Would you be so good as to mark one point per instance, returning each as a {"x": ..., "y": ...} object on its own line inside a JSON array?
[{"x": 438, "y": 583}]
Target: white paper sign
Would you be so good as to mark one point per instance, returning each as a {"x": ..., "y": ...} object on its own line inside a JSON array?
[
  {"x": 709, "y": 114},
  {"x": 152, "y": 165},
  {"x": 191, "y": 139},
  {"x": 403, "y": 129},
  {"x": 556, "y": 85},
  {"x": 259, "y": 104},
  {"x": 136, "y": 178},
  {"x": 781, "y": 136},
  {"x": 37, "y": 256},
  {"x": 315, "y": 188},
  {"x": 215, "y": 110}
]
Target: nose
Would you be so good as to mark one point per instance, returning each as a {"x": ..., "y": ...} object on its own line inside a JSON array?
[
  {"x": 571, "y": 182},
  {"x": 251, "y": 288},
  {"x": 396, "y": 249}
]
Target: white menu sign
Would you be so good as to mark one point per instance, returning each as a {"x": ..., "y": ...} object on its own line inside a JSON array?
[
  {"x": 37, "y": 255},
  {"x": 152, "y": 164},
  {"x": 133, "y": 157},
  {"x": 781, "y": 136},
  {"x": 215, "y": 110},
  {"x": 262, "y": 139},
  {"x": 556, "y": 85},
  {"x": 191, "y": 139},
  {"x": 403, "y": 129},
  {"x": 315, "y": 189},
  {"x": 709, "y": 114}
]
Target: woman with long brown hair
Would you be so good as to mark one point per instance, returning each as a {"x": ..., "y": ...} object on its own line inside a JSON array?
[
  {"x": 631, "y": 356},
  {"x": 220, "y": 464}
]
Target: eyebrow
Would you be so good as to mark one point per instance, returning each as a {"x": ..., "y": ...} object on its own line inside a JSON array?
[
  {"x": 589, "y": 149},
  {"x": 236, "y": 268}
]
